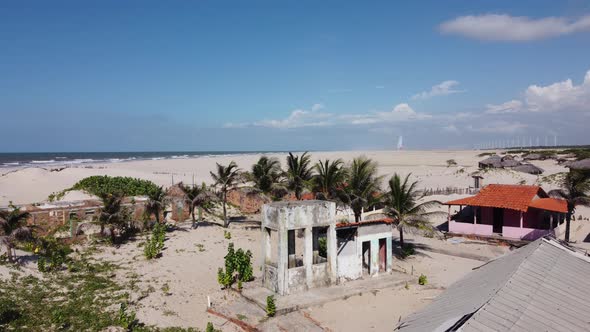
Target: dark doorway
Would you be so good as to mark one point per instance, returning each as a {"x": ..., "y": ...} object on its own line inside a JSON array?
[
  {"x": 382, "y": 255},
  {"x": 366, "y": 257},
  {"x": 498, "y": 220}
]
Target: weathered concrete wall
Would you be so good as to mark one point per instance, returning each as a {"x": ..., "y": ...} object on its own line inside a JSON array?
[{"x": 300, "y": 218}]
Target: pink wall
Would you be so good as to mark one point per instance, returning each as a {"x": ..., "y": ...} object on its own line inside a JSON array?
[
  {"x": 465, "y": 228},
  {"x": 524, "y": 233}
]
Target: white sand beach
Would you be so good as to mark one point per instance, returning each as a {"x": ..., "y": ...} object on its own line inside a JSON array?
[{"x": 31, "y": 185}]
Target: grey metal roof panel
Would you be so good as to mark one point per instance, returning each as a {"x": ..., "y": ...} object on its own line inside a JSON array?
[{"x": 542, "y": 286}]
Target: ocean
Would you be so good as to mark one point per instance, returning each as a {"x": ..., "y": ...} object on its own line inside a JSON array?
[{"x": 41, "y": 159}]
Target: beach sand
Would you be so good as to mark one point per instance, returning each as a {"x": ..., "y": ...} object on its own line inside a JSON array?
[{"x": 32, "y": 185}]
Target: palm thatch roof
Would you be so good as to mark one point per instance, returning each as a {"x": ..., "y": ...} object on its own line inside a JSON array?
[
  {"x": 529, "y": 168},
  {"x": 491, "y": 161},
  {"x": 583, "y": 164}
]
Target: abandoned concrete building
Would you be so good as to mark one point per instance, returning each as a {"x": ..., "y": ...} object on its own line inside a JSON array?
[{"x": 303, "y": 247}]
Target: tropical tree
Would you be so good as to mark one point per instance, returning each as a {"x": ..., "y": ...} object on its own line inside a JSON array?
[
  {"x": 156, "y": 202},
  {"x": 401, "y": 204},
  {"x": 226, "y": 178},
  {"x": 14, "y": 229},
  {"x": 329, "y": 178},
  {"x": 113, "y": 214},
  {"x": 299, "y": 172},
  {"x": 362, "y": 186},
  {"x": 266, "y": 174},
  {"x": 197, "y": 196},
  {"x": 575, "y": 190}
]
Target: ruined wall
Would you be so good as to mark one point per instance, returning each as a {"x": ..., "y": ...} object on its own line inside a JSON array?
[{"x": 247, "y": 200}]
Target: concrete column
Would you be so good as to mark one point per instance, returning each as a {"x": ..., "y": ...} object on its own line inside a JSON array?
[
  {"x": 388, "y": 254},
  {"x": 308, "y": 257},
  {"x": 332, "y": 253},
  {"x": 551, "y": 221},
  {"x": 283, "y": 261},
  {"x": 374, "y": 257},
  {"x": 449, "y": 215},
  {"x": 521, "y": 219},
  {"x": 475, "y": 215}
]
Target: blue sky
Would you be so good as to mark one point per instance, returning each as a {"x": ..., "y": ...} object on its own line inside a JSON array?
[{"x": 291, "y": 75}]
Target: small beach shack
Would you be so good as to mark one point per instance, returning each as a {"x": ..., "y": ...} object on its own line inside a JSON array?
[
  {"x": 513, "y": 211},
  {"x": 364, "y": 248}
]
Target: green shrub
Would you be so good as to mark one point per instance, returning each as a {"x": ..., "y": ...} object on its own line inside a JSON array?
[
  {"x": 271, "y": 308},
  {"x": 52, "y": 254},
  {"x": 238, "y": 267},
  {"x": 8, "y": 311},
  {"x": 126, "y": 319},
  {"x": 422, "y": 280},
  {"x": 127, "y": 186},
  {"x": 323, "y": 247},
  {"x": 451, "y": 162},
  {"x": 227, "y": 235},
  {"x": 154, "y": 245},
  {"x": 408, "y": 250},
  {"x": 211, "y": 328}
]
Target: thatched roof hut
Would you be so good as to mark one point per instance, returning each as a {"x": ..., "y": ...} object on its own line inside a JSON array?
[
  {"x": 533, "y": 156},
  {"x": 529, "y": 168},
  {"x": 580, "y": 165},
  {"x": 494, "y": 161},
  {"x": 507, "y": 163}
]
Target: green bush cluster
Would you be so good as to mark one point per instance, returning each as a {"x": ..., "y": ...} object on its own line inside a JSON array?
[
  {"x": 238, "y": 267},
  {"x": 422, "y": 280},
  {"x": 52, "y": 254},
  {"x": 155, "y": 243},
  {"x": 227, "y": 235},
  {"x": 271, "y": 308},
  {"x": 211, "y": 328},
  {"x": 8, "y": 311},
  {"x": 408, "y": 250},
  {"x": 126, "y": 319},
  {"x": 127, "y": 186}
]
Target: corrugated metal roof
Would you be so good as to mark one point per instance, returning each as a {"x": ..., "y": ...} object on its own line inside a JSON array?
[{"x": 543, "y": 286}]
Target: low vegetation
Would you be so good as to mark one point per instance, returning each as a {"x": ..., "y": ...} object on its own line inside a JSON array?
[
  {"x": 271, "y": 308},
  {"x": 238, "y": 268},
  {"x": 127, "y": 186},
  {"x": 154, "y": 245},
  {"x": 422, "y": 280}
]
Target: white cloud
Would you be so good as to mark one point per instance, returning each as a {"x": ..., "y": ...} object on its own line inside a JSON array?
[
  {"x": 401, "y": 112},
  {"x": 379, "y": 87},
  {"x": 512, "y": 106},
  {"x": 317, "y": 107},
  {"x": 297, "y": 119},
  {"x": 442, "y": 89},
  {"x": 559, "y": 96},
  {"x": 513, "y": 28}
]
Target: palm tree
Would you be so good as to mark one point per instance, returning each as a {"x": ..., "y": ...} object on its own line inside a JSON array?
[
  {"x": 329, "y": 178},
  {"x": 156, "y": 202},
  {"x": 197, "y": 196},
  {"x": 226, "y": 178},
  {"x": 299, "y": 172},
  {"x": 362, "y": 186},
  {"x": 266, "y": 174},
  {"x": 112, "y": 213},
  {"x": 575, "y": 190},
  {"x": 401, "y": 203},
  {"x": 13, "y": 225}
]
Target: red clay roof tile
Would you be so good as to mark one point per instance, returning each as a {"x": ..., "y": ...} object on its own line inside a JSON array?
[{"x": 514, "y": 197}]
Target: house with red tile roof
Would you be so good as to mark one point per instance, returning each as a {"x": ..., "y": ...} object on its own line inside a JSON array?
[{"x": 512, "y": 211}]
